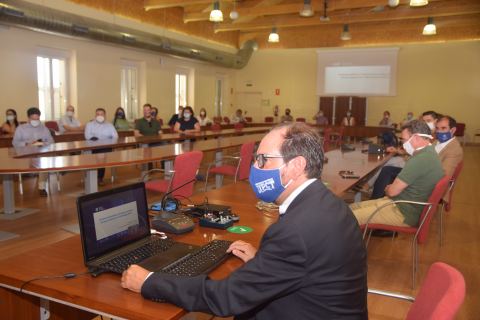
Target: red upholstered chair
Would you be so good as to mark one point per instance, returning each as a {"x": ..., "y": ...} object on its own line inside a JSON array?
[
  {"x": 447, "y": 199},
  {"x": 327, "y": 139},
  {"x": 52, "y": 125},
  {"x": 226, "y": 120},
  {"x": 460, "y": 132},
  {"x": 216, "y": 127},
  {"x": 269, "y": 119},
  {"x": 441, "y": 295},
  {"x": 217, "y": 120},
  {"x": 300, "y": 120},
  {"x": 238, "y": 126},
  {"x": 160, "y": 120},
  {"x": 419, "y": 232},
  {"x": 185, "y": 168},
  {"x": 239, "y": 167},
  {"x": 248, "y": 119}
]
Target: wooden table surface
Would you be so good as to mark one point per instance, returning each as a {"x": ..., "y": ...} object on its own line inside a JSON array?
[{"x": 105, "y": 296}]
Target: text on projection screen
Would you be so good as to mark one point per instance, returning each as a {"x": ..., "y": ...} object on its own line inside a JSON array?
[{"x": 366, "y": 80}]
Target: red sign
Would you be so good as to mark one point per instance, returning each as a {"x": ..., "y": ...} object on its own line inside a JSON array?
[{"x": 277, "y": 92}]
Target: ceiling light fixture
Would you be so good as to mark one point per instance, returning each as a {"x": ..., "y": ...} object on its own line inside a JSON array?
[
  {"x": 345, "y": 33},
  {"x": 307, "y": 10},
  {"x": 393, "y": 3},
  {"x": 418, "y": 3},
  {"x": 216, "y": 15},
  {"x": 273, "y": 37},
  {"x": 234, "y": 13},
  {"x": 430, "y": 28}
]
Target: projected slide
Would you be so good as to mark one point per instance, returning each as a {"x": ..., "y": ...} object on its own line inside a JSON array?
[
  {"x": 357, "y": 80},
  {"x": 115, "y": 220}
]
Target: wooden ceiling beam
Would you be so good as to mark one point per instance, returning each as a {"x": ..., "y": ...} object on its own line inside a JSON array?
[
  {"x": 440, "y": 9},
  {"x": 162, "y": 4}
]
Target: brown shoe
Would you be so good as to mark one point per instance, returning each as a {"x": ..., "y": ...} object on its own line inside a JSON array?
[{"x": 43, "y": 193}]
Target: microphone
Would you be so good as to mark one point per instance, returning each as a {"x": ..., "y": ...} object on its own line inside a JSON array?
[{"x": 165, "y": 196}]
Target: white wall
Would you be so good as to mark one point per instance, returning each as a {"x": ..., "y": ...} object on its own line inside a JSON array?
[{"x": 95, "y": 71}]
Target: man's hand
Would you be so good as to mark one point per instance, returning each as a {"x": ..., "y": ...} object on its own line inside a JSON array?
[
  {"x": 134, "y": 277},
  {"x": 243, "y": 250}
]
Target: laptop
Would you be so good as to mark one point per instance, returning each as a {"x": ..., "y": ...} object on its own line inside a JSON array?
[{"x": 114, "y": 224}]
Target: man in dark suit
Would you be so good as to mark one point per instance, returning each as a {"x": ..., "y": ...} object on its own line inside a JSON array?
[{"x": 311, "y": 263}]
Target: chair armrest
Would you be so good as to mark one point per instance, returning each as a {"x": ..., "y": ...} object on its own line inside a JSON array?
[
  {"x": 224, "y": 159},
  {"x": 391, "y": 294},
  {"x": 146, "y": 174},
  {"x": 391, "y": 203}
]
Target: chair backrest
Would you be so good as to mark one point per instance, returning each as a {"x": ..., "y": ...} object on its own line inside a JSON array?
[
  {"x": 327, "y": 139},
  {"x": 53, "y": 125},
  {"x": 248, "y": 119},
  {"x": 238, "y": 126},
  {"x": 460, "y": 132},
  {"x": 246, "y": 156},
  {"x": 441, "y": 295},
  {"x": 216, "y": 127},
  {"x": 217, "y": 119},
  {"x": 186, "y": 166},
  {"x": 160, "y": 120},
  {"x": 437, "y": 194},
  {"x": 269, "y": 119},
  {"x": 453, "y": 181},
  {"x": 300, "y": 120},
  {"x": 226, "y": 120}
]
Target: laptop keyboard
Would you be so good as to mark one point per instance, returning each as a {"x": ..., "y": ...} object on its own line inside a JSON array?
[
  {"x": 121, "y": 263},
  {"x": 201, "y": 261},
  {"x": 205, "y": 259}
]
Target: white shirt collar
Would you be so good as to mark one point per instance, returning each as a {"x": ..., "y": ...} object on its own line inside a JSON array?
[
  {"x": 440, "y": 146},
  {"x": 284, "y": 206}
]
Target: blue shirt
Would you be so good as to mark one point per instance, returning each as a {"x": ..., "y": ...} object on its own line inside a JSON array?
[
  {"x": 27, "y": 134},
  {"x": 102, "y": 131}
]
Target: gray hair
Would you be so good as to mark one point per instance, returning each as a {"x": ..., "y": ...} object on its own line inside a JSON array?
[
  {"x": 417, "y": 126},
  {"x": 302, "y": 140}
]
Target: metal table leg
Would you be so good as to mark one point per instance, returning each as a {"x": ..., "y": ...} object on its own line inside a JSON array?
[
  {"x": 218, "y": 162},
  {"x": 91, "y": 182}
]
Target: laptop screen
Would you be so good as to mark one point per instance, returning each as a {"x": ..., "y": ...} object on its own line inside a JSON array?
[{"x": 112, "y": 219}]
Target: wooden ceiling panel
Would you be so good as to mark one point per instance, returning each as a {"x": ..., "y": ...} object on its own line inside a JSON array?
[{"x": 371, "y": 21}]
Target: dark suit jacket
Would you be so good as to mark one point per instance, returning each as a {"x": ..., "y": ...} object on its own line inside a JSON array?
[{"x": 311, "y": 264}]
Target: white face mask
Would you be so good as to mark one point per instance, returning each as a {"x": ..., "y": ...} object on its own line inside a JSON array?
[
  {"x": 70, "y": 113},
  {"x": 100, "y": 119},
  {"x": 408, "y": 146},
  {"x": 431, "y": 125},
  {"x": 10, "y": 118},
  {"x": 186, "y": 115},
  {"x": 35, "y": 123}
]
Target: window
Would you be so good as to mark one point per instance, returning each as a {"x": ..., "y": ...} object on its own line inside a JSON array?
[
  {"x": 129, "y": 91},
  {"x": 180, "y": 90},
  {"x": 52, "y": 95}
]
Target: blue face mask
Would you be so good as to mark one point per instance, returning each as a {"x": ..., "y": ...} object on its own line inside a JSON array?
[
  {"x": 267, "y": 183},
  {"x": 443, "y": 136}
]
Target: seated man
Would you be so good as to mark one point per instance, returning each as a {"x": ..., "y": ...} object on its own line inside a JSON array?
[
  {"x": 448, "y": 148},
  {"x": 415, "y": 182},
  {"x": 99, "y": 129},
  {"x": 34, "y": 133},
  {"x": 238, "y": 117},
  {"x": 147, "y": 126},
  {"x": 68, "y": 123},
  {"x": 287, "y": 117},
  {"x": 311, "y": 263}
]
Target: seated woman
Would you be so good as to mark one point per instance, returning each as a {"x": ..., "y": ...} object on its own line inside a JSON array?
[
  {"x": 11, "y": 124},
  {"x": 188, "y": 123},
  {"x": 203, "y": 119},
  {"x": 119, "y": 121},
  {"x": 348, "y": 120}
]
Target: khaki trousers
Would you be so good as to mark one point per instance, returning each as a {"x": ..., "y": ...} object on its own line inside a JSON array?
[{"x": 389, "y": 215}]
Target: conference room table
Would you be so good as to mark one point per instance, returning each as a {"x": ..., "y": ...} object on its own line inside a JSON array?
[
  {"x": 85, "y": 296},
  {"x": 91, "y": 162}
]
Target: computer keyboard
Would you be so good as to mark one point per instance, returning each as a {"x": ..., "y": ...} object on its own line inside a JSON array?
[
  {"x": 205, "y": 259},
  {"x": 121, "y": 263}
]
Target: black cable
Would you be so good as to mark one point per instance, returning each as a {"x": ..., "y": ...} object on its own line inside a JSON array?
[
  {"x": 69, "y": 275},
  {"x": 187, "y": 198}
]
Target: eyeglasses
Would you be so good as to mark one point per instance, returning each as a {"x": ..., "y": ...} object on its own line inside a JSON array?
[{"x": 261, "y": 158}]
